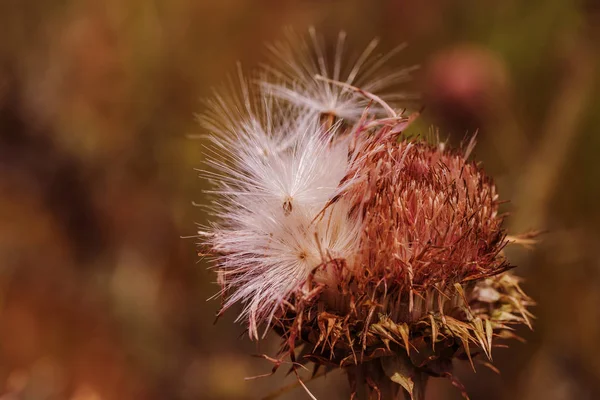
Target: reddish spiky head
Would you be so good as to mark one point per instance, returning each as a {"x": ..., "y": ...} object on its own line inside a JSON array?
[{"x": 430, "y": 216}]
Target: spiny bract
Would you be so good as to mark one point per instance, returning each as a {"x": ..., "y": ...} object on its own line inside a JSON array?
[{"x": 361, "y": 248}]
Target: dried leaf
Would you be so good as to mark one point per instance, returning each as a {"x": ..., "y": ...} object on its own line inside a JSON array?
[
  {"x": 489, "y": 331},
  {"x": 404, "y": 333},
  {"x": 477, "y": 326},
  {"x": 401, "y": 371},
  {"x": 434, "y": 331}
]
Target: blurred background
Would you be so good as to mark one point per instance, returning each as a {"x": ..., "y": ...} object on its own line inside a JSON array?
[{"x": 100, "y": 296}]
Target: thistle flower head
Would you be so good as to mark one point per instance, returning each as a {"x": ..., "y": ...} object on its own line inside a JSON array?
[
  {"x": 361, "y": 248},
  {"x": 432, "y": 214}
]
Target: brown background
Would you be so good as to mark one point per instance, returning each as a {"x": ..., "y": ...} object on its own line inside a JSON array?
[{"x": 101, "y": 298}]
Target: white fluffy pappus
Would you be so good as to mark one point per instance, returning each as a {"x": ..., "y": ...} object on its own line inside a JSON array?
[
  {"x": 238, "y": 115},
  {"x": 271, "y": 231},
  {"x": 262, "y": 265},
  {"x": 298, "y": 62}
]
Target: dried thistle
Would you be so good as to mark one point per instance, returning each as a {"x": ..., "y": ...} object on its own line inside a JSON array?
[{"x": 362, "y": 249}]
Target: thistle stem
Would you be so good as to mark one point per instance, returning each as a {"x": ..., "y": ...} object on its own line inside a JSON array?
[
  {"x": 420, "y": 386},
  {"x": 367, "y": 384}
]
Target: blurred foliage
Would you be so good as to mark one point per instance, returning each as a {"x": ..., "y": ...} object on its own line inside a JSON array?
[{"x": 102, "y": 298}]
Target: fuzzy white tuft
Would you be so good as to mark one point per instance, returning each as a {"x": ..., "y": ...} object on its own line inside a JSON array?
[
  {"x": 274, "y": 169},
  {"x": 299, "y": 62},
  {"x": 268, "y": 257}
]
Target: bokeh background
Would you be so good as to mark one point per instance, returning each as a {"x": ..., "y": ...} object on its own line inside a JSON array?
[{"x": 102, "y": 297}]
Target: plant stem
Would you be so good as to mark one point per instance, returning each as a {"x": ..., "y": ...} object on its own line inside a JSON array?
[{"x": 420, "y": 380}]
